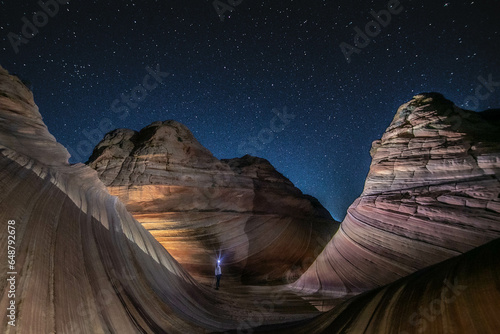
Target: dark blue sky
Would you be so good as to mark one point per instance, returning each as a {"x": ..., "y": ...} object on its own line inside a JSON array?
[{"x": 226, "y": 78}]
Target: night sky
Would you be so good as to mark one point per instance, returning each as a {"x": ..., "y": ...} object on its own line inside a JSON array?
[{"x": 272, "y": 79}]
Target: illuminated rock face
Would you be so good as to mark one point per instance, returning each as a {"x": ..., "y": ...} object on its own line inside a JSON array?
[
  {"x": 432, "y": 193},
  {"x": 82, "y": 263},
  {"x": 197, "y": 206}
]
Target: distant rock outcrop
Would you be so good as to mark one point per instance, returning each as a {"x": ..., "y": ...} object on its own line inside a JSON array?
[
  {"x": 432, "y": 193},
  {"x": 199, "y": 207}
]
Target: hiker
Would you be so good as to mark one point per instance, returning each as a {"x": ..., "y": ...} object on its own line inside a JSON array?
[{"x": 218, "y": 274}]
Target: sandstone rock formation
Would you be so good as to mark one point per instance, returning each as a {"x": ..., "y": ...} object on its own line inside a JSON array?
[
  {"x": 200, "y": 207},
  {"x": 72, "y": 238},
  {"x": 83, "y": 264},
  {"x": 459, "y": 295},
  {"x": 432, "y": 192}
]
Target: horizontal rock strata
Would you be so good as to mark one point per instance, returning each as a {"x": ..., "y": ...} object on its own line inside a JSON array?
[
  {"x": 83, "y": 264},
  {"x": 432, "y": 192}
]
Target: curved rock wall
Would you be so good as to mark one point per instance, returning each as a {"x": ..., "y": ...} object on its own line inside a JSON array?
[
  {"x": 459, "y": 295},
  {"x": 83, "y": 264}
]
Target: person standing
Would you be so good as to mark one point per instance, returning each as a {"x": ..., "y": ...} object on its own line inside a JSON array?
[{"x": 218, "y": 274}]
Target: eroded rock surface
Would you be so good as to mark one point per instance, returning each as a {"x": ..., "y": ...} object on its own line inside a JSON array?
[
  {"x": 83, "y": 264},
  {"x": 198, "y": 207},
  {"x": 432, "y": 193},
  {"x": 459, "y": 295}
]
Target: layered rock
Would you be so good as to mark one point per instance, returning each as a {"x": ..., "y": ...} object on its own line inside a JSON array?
[
  {"x": 459, "y": 295},
  {"x": 201, "y": 208},
  {"x": 82, "y": 263},
  {"x": 432, "y": 192}
]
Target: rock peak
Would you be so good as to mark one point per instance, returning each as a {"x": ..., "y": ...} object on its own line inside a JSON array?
[
  {"x": 32, "y": 137},
  {"x": 430, "y": 95},
  {"x": 188, "y": 199},
  {"x": 168, "y": 140},
  {"x": 248, "y": 160},
  {"x": 168, "y": 125},
  {"x": 433, "y": 188}
]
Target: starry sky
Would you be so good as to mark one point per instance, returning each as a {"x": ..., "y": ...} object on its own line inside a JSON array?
[{"x": 306, "y": 84}]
